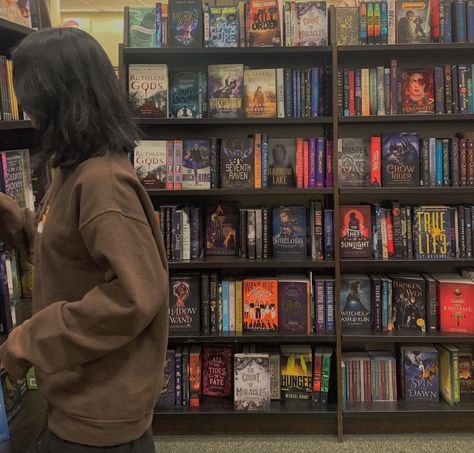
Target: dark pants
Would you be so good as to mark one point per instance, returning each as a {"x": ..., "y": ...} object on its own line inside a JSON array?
[{"x": 48, "y": 442}]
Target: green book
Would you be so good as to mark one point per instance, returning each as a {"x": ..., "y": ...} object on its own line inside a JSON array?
[{"x": 142, "y": 27}]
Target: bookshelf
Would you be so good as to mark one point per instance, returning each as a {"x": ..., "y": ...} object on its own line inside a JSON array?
[{"x": 394, "y": 417}]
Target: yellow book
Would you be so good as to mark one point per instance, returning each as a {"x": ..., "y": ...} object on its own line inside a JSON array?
[{"x": 365, "y": 92}]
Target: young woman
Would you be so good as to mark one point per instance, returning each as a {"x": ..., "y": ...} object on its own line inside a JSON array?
[{"x": 98, "y": 335}]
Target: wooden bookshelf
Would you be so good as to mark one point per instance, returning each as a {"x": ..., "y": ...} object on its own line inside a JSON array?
[
  {"x": 407, "y": 337},
  {"x": 234, "y": 121},
  {"x": 15, "y": 125},
  {"x": 426, "y": 118},
  {"x": 11, "y": 34},
  {"x": 252, "y": 337}
]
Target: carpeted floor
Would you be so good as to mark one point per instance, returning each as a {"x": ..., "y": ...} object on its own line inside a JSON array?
[{"x": 459, "y": 443}]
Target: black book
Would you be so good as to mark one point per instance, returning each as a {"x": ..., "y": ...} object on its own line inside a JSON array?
[
  {"x": 185, "y": 27},
  {"x": 205, "y": 305},
  {"x": 355, "y": 302},
  {"x": 185, "y": 304},
  {"x": 431, "y": 307},
  {"x": 213, "y": 302},
  {"x": 397, "y": 229},
  {"x": 237, "y": 163}
]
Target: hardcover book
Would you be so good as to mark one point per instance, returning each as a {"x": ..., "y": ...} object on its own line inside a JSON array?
[
  {"x": 260, "y": 93},
  {"x": 148, "y": 90},
  {"x": 400, "y": 160},
  {"x": 356, "y": 231},
  {"x": 185, "y": 304},
  {"x": 355, "y": 302},
  {"x": 150, "y": 163},
  {"x": 167, "y": 396},
  {"x": 296, "y": 372},
  {"x": 237, "y": 163},
  {"x": 347, "y": 26},
  {"x": 260, "y": 305},
  {"x": 263, "y": 23},
  {"x": 196, "y": 170},
  {"x": 281, "y": 163},
  {"x": 418, "y": 91},
  {"x": 225, "y": 89},
  {"x": 312, "y": 23},
  {"x": 252, "y": 390},
  {"x": 293, "y": 306},
  {"x": 432, "y": 232},
  {"x": 466, "y": 370},
  {"x": 289, "y": 232},
  {"x": 186, "y": 94},
  {"x": 141, "y": 27},
  {"x": 217, "y": 371},
  {"x": 185, "y": 23},
  {"x": 449, "y": 386},
  {"x": 413, "y": 21},
  {"x": 421, "y": 372},
  {"x": 222, "y": 229},
  {"x": 223, "y": 26},
  {"x": 354, "y": 162}
]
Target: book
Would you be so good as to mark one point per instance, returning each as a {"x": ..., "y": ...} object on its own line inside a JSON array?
[
  {"x": 260, "y": 305},
  {"x": 413, "y": 21},
  {"x": 356, "y": 231},
  {"x": 263, "y": 23},
  {"x": 252, "y": 390},
  {"x": 281, "y": 163},
  {"x": 217, "y": 371},
  {"x": 296, "y": 372},
  {"x": 400, "y": 160},
  {"x": 148, "y": 90},
  {"x": 225, "y": 90},
  {"x": 418, "y": 91},
  {"x": 185, "y": 23},
  {"x": 141, "y": 26},
  {"x": 167, "y": 396},
  {"x": 221, "y": 229},
  {"x": 195, "y": 382},
  {"x": 185, "y": 304},
  {"x": 449, "y": 382},
  {"x": 421, "y": 373},
  {"x": 312, "y": 23},
  {"x": 289, "y": 232},
  {"x": 150, "y": 163},
  {"x": 432, "y": 232},
  {"x": 186, "y": 94},
  {"x": 466, "y": 370},
  {"x": 260, "y": 93},
  {"x": 4, "y": 430},
  {"x": 196, "y": 171},
  {"x": 237, "y": 163},
  {"x": 293, "y": 306},
  {"x": 355, "y": 302},
  {"x": 354, "y": 162},
  {"x": 223, "y": 26},
  {"x": 347, "y": 26}
]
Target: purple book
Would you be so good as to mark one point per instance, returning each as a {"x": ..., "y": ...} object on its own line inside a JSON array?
[
  {"x": 329, "y": 286},
  {"x": 421, "y": 374},
  {"x": 329, "y": 169},
  {"x": 319, "y": 306},
  {"x": 312, "y": 163},
  {"x": 167, "y": 396},
  {"x": 196, "y": 233},
  {"x": 320, "y": 170},
  {"x": 439, "y": 89},
  {"x": 293, "y": 305}
]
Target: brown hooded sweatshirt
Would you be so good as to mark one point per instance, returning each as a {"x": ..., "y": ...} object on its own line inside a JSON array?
[{"x": 98, "y": 336}]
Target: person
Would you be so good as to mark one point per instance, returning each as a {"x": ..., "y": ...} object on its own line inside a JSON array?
[
  {"x": 98, "y": 335},
  {"x": 354, "y": 299},
  {"x": 417, "y": 97},
  {"x": 405, "y": 34}
]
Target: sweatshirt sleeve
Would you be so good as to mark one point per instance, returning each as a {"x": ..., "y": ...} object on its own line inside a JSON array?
[{"x": 109, "y": 316}]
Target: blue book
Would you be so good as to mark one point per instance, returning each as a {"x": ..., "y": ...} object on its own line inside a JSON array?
[
  {"x": 460, "y": 21},
  {"x": 289, "y": 93},
  {"x": 225, "y": 306},
  {"x": 295, "y": 93},
  {"x": 384, "y": 22},
  {"x": 264, "y": 161},
  {"x": 470, "y": 20},
  {"x": 329, "y": 287},
  {"x": 470, "y": 89},
  {"x": 314, "y": 92},
  {"x": 159, "y": 42},
  {"x": 320, "y": 162},
  {"x": 421, "y": 369},
  {"x": 328, "y": 234},
  {"x": 223, "y": 26},
  {"x": 289, "y": 232},
  {"x": 448, "y": 28},
  {"x": 184, "y": 95},
  {"x": 439, "y": 162},
  {"x": 4, "y": 431},
  {"x": 385, "y": 284},
  {"x": 298, "y": 94},
  {"x": 363, "y": 23}
]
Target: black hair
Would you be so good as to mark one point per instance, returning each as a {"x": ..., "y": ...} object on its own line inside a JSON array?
[{"x": 65, "y": 83}]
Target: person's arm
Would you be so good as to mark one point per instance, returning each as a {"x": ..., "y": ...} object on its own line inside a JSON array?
[
  {"x": 17, "y": 226},
  {"x": 68, "y": 334}
]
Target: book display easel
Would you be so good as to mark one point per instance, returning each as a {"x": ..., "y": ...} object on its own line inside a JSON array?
[{"x": 214, "y": 416}]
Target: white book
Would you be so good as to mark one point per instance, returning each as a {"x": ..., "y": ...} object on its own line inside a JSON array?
[
  {"x": 185, "y": 235},
  {"x": 280, "y": 93}
]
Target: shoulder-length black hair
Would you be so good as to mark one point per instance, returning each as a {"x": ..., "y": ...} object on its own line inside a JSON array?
[{"x": 65, "y": 82}]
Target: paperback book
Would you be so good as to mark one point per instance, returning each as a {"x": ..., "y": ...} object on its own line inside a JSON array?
[
  {"x": 223, "y": 26},
  {"x": 148, "y": 90},
  {"x": 263, "y": 23},
  {"x": 355, "y": 302},
  {"x": 281, "y": 163},
  {"x": 150, "y": 163},
  {"x": 184, "y": 305},
  {"x": 225, "y": 87},
  {"x": 260, "y": 93},
  {"x": 400, "y": 160},
  {"x": 222, "y": 228},
  {"x": 289, "y": 232},
  {"x": 185, "y": 23},
  {"x": 196, "y": 170},
  {"x": 237, "y": 163}
]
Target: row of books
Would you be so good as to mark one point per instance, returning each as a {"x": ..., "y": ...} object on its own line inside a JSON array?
[
  {"x": 407, "y": 303},
  {"x": 405, "y": 160},
  {"x": 387, "y": 91},
  {"x": 224, "y": 229},
  {"x": 426, "y": 232},
  {"x": 9, "y": 108},
  {"x": 248, "y": 23},
  {"x": 425, "y": 373},
  {"x": 228, "y": 91},
  {"x": 252, "y": 162},
  {"x": 287, "y": 304},
  {"x": 252, "y": 378},
  {"x": 405, "y": 22}
]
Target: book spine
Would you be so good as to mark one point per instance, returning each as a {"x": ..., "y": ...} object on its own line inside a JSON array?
[
  {"x": 470, "y": 20},
  {"x": 446, "y": 169},
  {"x": 409, "y": 233},
  {"x": 403, "y": 216},
  {"x": 425, "y": 162},
  {"x": 195, "y": 384},
  {"x": 319, "y": 327},
  {"x": 264, "y": 161},
  {"x": 317, "y": 375},
  {"x": 448, "y": 95},
  {"x": 206, "y": 31},
  {"x": 329, "y": 286},
  {"x": 205, "y": 305},
  {"x": 377, "y": 299},
  {"x": 351, "y": 93},
  {"x": 470, "y": 93},
  {"x": 468, "y": 228},
  {"x": 463, "y": 100},
  {"x": 195, "y": 233},
  {"x": 329, "y": 166},
  {"x": 170, "y": 165},
  {"x": 298, "y": 94},
  {"x": 177, "y": 230},
  {"x": 397, "y": 230},
  {"x": 328, "y": 234},
  {"x": 178, "y": 155},
  {"x": 295, "y": 92},
  {"x": 442, "y": 21},
  {"x": 432, "y": 161},
  {"x": 225, "y": 306},
  {"x": 380, "y": 91},
  {"x": 462, "y": 231},
  {"x": 375, "y": 162},
  {"x": 311, "y": 146},
  {"x": 439, "y": 89},
  {"x": 373, "y": 90},
  {"x": 185, "y": 234},
  {"x": 308, "y": 94},
  {"x": 169, "y": 224},
  {"x": 455, "y": 162},
  {"x": 288, "y": 92},
  {"x": 455, "y": 377},
  {"x": 393, "y": 86},
  {"x": 389, "y": 227},
  {"x": 377, "y": 23},
  {"x": 315, "y": 92},
  {"x": 185, "y": 376},
  {"x": 179, "y": 379},
  {"x": 370, "y": 23},
  {"x": 238, "y": 307},
  {"x": 213, "y": 297},
  {"x": 301, "y": 164},
  {"x": 219, "y": 309},
  {"x": 340, "y": 93},
  {"x": 258, "y": 160},
  {"x": 358, "y": 93},
  {"x": 363, "y": 23},
  {"x": 448, "y": 21},
  {"x": 258, "y": 234},
  {"x": 439, "y": 162},
  {"x": 243, "y": 233},
  {"x": 280, "y": 92},
  {"x": 317, "y": 248},
  {"x": 459, "y": 14},
  {"x": 431, "y": 304},
  {"x": 365, "y": 92},
  {"x": 455, "y": 88},
  {"x": 320, "y": 167},
  {"x": 463, "y": 161},
  {"x": 215, "y": 164},
  {"x": 387, "y": 94},
  {"x": 251, "y": 234},
  {"x": 470, "y": 162},
  {"x": 346, "y": 93},
  {"x": 383, "y": 22},
  {"x": 266, "y": 232},
  {"x": 287, "y": 14},
  {"x": 242, "y": 22}
]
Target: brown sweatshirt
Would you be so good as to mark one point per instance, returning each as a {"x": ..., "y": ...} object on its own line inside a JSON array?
[{"x": 99, "y": 332}]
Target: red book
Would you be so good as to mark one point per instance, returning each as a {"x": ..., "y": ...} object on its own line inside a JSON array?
[
  {"x": 355, "y": 231},
  {"x": 217, "y": 375},
  {"x": 351, "y": 93},
  {"x": 317, "y": 366},
  {"x": 434, "y": 20},
  {"x": 195, "y": 375},
  {"x": 301, "y": 164},
  {"x": 375, "y": 162},
  {"x": 389, "y": 226},
  {"x": 306, "y": 164},
  {"x": 456, "y": 303}
]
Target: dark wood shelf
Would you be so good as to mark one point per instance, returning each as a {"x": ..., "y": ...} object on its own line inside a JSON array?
[
  {"x": 13, "y": 125},
  {"x": 252, "y": 337},
  {"x": 422, "y": 118},
  {"x": 231, "y": 121},
  {"x": 403, "y": 263},
  {"x": 393, "y": 191},
  {"x": 235, "y": 262},
  {"x": 407, "y": 337},
  {"x": 11, "y": 34},
  {"x": 213, "y": 193},
  {"x": 396, "y": 50}
]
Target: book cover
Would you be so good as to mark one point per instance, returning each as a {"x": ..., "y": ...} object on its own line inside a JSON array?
[
  {"x": 217, "y": 371},
  {"x": 196, "y": 170},
  {"x": 260, "y": 305},
  {"x": 421, "y": 372},
  {"x": 252, "y": 389},
  {"x": 296, "y": 372},
  {"x": 150, "y": 163},
  {"x": 222, "y": 229},
  {"x": 293, "y": 306},
  {"x": 167, "y": 396},
  {"x": 408, "y": 302},
  {"x": 223, "y": 26},
  {"x": 449, "y": 387},
  {"x": 413, "y": 21},
  {"x": 354, "y": 162},
  {"x": 12, "y": 394},
  {"x": 185, "y": 23},
  {"x": 225, "y": 90},
  {"x": 264, "y": 23},
  {"x": 148, "y": 90},
  {"x": 418, "y": 91},
  {"x": 356, "y": 231},
  {"x": 185, "y": 98},
  {"x": 289, "y": 232},
  {"x": 237, "y": 163},
  {"x": 466, "y": 370},
  {"x": 355, "y": 302},
  {"x": 312, "y": 23},
  {"x": 185, "y": 304},
  {"x": 281, "y": 163},
  {"x": 141, "y": 26},
  {"x": 432, "y": 232},
  {"x": 260, "y": 93},
  {"x": 400, "y": 160},
  {"x": 347, "y": 26}
]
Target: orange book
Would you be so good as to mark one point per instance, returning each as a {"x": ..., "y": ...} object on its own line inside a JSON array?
[
  {"x": 306, "y": 164},
  {"x": 195, "y": 375},
  {"x": 260, "y": 305},
  {"x": 258, "y": 160},
  {"x": 301, "y": 163},
  {"x": 375, "y": 162},
  {"x": 389, "y": 225}
]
